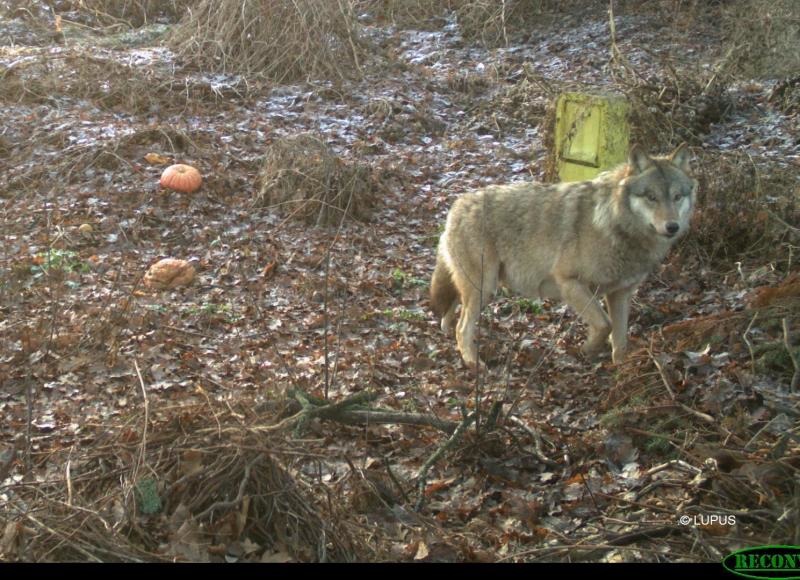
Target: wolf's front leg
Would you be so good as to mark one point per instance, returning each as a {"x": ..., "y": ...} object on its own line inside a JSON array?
[
  {"x": 619, "y": 306},
  {"x": 578, "y": 296}
]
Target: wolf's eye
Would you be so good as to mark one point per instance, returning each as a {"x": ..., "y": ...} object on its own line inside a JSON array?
[
  {"x": 679, "y": 196},
  {"x": 651, "y": 196}
]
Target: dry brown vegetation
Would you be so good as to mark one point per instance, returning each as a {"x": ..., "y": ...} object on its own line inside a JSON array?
[
  {"x": 281, "y": 40},
  {"x": 127, "y": 13},
  {"x": 763, "y": 37},
  {"x": 303, "y": 178}
]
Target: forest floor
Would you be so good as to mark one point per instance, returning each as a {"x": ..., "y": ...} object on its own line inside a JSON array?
[{"x": 128, "y": 414}]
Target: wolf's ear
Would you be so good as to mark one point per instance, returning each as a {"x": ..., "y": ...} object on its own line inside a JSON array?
[
  {"x": 681, "y": 157},
  {"x": 638, "y": 159}
]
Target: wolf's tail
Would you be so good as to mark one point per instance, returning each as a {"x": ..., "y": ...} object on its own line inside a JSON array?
[{"x": 443, "y": 291}]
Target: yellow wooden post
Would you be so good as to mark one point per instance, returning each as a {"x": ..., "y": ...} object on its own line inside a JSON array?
[{"x": 592, "y": 134}]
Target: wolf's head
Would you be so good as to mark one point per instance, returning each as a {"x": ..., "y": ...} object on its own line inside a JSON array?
[{"x": 660, "y": 191}]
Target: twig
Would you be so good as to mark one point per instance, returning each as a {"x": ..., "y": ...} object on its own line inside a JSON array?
[
  {"x": 143, "y": 444},
  {"x": 381, "y": 417},
  {"x": 631, "y": 537},
  {"x": 68, "y": 477},
  {"x": 595, "y": 550},
  {"x": 749, "y": 344},
  {"x": 780, "y": 417},
  {"x": 674, "y": 463},
  {"x": 426, "y": 467},
  {"x": 392, "y": 476},
  {"x": 28, "y": 420},
  {"x": 663, "y": 375},
  {"x": 325, "y": 318},
  {"x": 704, "y": 417},
  {"x": 64, "y": 538},
  {"x": 792, "y": 355},
  {"x": 789, "y": 227},
  {"x": 537, "y": 441},
  {"x": 235, "y": 501}
]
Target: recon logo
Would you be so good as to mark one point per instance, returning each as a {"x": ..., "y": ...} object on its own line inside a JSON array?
[{"x": 765, "y": 562}]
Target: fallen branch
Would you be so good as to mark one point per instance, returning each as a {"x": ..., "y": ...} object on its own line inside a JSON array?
[{"x": 350, "y": 411}]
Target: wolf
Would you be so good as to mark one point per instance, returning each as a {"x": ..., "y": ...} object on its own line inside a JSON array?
[{"x": 573, "y": 242}]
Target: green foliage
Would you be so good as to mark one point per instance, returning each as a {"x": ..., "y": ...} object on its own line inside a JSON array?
[
  {"x": 214, "y": 310},
  {"x": 404, "y": 314},
  {"x": 65, "y": 261},
  {"x": 404, "y": 280},
  {"x": 147, "y": 496},
  {"x": 528, "y": 305},
  {"x": 659, "y": 446}
]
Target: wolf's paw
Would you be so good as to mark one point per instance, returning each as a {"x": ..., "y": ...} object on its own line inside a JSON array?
[
  {"x": 593, "y": 352},
  {"x": 447, "y": 324},
  {"x": 475, "y": 365},
  {"x": 618, "y": 355}
]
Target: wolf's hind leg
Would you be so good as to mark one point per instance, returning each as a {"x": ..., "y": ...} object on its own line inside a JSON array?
[
  {"x": 473, "y": 300},
  {"x": 449, "y": 318},
  {"x": 465, "y": 331}
]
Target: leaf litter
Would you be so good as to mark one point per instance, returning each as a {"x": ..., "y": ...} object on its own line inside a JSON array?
[{"x": 191, "y": 424}]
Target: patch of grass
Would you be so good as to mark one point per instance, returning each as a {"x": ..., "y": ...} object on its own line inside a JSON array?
[
  {"x": 660, "y": 447},
  {"x": 432, "y": 239},
  {"x": 528, "y": 306},
  {"x": 403, "y": 279},
  {"x": 404, "y": 314},
  {"x": 518, "y": 304},
  {"x": 213, "y": 310},
  {"x": 65, "y": 261}
]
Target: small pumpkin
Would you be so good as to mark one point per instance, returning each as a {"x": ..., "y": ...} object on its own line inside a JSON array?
[
  {"x": 169, "y": 273},
  {"x": 181, "y": 178}
]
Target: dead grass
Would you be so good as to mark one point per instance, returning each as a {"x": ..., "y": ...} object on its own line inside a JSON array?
[
  {"x": 494, "y": 22},
  {"x": 72, "y": 162},
  {"x": 42, "y": 76},
  {"x": 763, "y": 37},
  {"x": 109, "y": 84},
  {"x": 304, "y": 178},
  {"x": 280, "y": 40},
  {"x": 185, "y": 488},
  {"x": 679, "y": 400},
  {"x": 134, "y": 13},
  {"x": 748, "y": 210},
  {"x": 405, "y": 13}
]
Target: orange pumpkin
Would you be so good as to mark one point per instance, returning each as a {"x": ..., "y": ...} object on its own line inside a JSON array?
[
  {"x": 182, "y": 178},
  {"x": 169, "y": 273}
]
